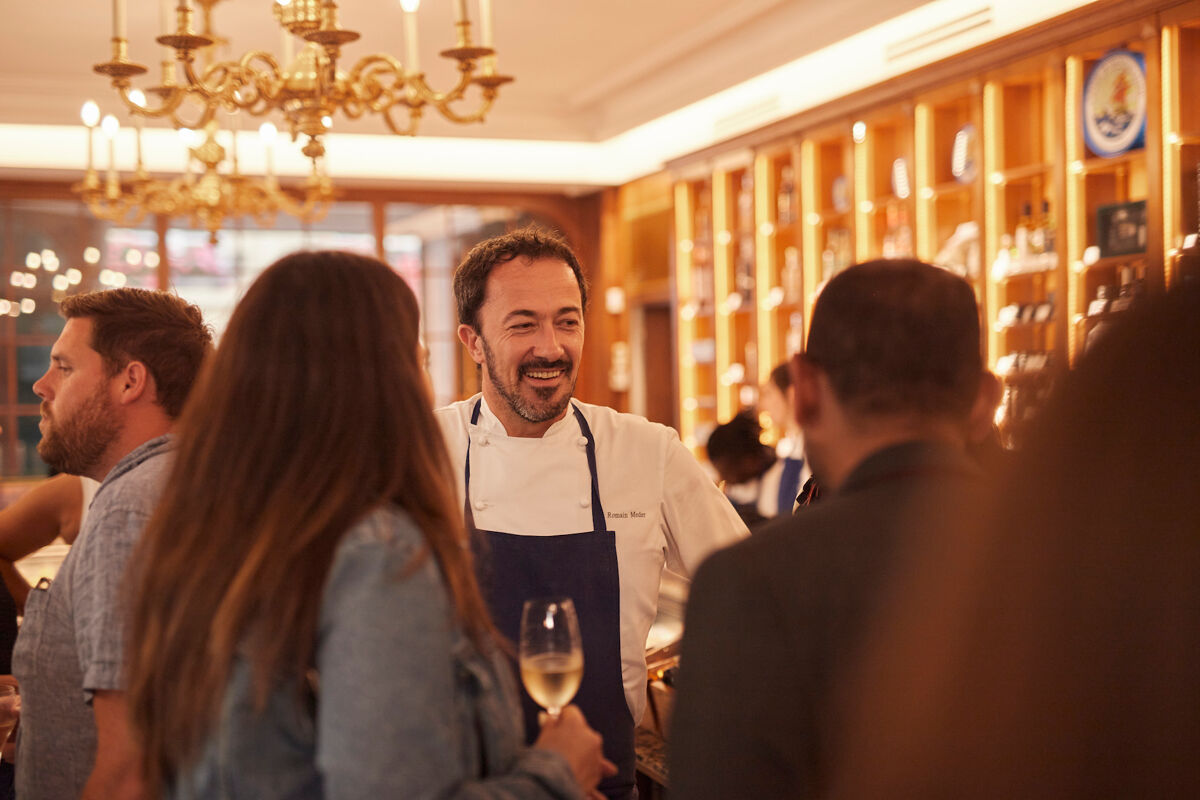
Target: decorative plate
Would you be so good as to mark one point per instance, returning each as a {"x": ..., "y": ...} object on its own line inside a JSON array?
[{"x": 1114, "y": 104}]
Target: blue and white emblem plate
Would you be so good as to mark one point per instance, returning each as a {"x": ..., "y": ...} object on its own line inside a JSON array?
[{"x": 1114, "y": 104}]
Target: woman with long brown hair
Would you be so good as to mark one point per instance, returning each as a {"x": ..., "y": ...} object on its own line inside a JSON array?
[{"x": 306, "y": 620}]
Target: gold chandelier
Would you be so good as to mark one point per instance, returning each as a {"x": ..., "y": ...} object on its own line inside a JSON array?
[
  {"x": 204, "y": 193},
  {"x": 307, "y": 88}
]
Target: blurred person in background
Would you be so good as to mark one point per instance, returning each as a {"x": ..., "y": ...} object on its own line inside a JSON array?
[
  {"x": 790, "y": 472},
  {"x": 888, "y": 389},
  {"x": 53, "y": 509},
  {"x": 741, "y": 461},
  {"x": 306, "y": 617},
  {"x": 1050, "y": 647}
]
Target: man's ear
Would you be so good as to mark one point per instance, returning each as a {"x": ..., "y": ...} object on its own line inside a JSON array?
[
  {"x": 134, "y": 382},
  {"x": 806, "y": 382},
  {"x": 473, "y": 342}
]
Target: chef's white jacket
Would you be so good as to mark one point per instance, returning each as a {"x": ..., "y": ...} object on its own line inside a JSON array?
[{"x": 661, "y": 506}]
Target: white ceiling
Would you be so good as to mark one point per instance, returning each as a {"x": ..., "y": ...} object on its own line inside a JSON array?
[
  {"x": 605, "y": 91},
  {"x": 585, "y": 70}
]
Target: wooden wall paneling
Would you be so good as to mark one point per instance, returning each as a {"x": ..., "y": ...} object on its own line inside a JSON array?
[
  {"x": 766, "y": 278},
  {"x": 1095, "y": 181},
  {"x": 925, "y": 148},
  {"x": 1181, "y": 130},
  {"x": 813, "y": 233},
  {"x": 685, "y": 292},
  {"x": 723, "y": 204},
  {"x": 612, "y": 270},
  {"x": 781, "y": 258}
]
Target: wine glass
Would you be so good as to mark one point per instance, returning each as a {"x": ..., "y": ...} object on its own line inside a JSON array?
[{"x": 551, "y": 652}]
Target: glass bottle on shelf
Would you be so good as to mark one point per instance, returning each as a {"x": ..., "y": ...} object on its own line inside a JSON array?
[
  {"x": 785, "y": 200},
  {"x": 829, "y": 259},
  {"x": 1048, "y": 230},
  {"x": 744, "y": 275},
  {"x": 1021, "y": 235},
  {"x": 745, "y": 204},
  {"x": 794, "y": 340},
  {"x": 792, "y": 276},
  {"x": 891, "y": 217},
  {"x": 702, "y": 288},
  {"x": 904, "y": 235}
]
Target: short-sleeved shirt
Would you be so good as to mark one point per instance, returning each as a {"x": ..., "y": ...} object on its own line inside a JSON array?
[{"x": 72, "y": 640}]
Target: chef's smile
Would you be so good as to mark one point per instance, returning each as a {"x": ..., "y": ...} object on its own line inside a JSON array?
[{"x": 542, "y": 374}]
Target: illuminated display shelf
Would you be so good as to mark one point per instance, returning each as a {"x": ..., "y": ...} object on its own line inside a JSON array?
[{"x": 1035, "y": 198}]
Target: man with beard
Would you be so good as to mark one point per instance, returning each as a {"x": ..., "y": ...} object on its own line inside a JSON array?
[
  {"x": 119, "y": 375},
  {"x": 563, "y": 497}
]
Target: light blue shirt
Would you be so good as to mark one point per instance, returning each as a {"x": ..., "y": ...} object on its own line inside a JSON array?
[{"x": 406, "y": 706}]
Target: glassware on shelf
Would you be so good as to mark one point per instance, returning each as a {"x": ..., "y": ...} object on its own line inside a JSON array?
[
  {"x": 785, "y": 199},
  {"x": 891, "y": 219},
  {"x": 904, "y": 235},
  {"x": 745, "y": 204},
  {"x": 794, "y": 340},
  {"x": 792, "y": 276},
  {"x": 744, "y": 273}
]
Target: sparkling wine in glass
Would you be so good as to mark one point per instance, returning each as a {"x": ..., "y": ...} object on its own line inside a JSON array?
[{"x": 551, "y": 652}]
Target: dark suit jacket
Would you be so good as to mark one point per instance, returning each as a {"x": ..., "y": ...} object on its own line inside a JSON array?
[{"x": 772, "y": 621}]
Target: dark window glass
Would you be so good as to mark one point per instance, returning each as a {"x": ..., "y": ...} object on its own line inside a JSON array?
[
  {"x": 28, "y": 436},
  {"x": 32, "y": 361}
]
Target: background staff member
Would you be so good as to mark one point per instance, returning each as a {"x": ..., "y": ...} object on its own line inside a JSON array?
[{"x": 565, "y": 497}]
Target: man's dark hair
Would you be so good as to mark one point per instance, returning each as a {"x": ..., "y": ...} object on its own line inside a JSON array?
[
  {"x": 898, "y": 337},
  {"x": 160, "y": 330},
  {"x": 781, "y": 376},
  {"x": 737, "y": 438},
  {"x": 530, "y": 243}
]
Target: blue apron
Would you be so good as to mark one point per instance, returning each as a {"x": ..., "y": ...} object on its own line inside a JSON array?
[
  {"x": 513, "y": 568},
  {"x": 789, "y": 486}
]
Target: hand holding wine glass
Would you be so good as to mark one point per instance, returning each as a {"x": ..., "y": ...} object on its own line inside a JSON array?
[{"x": 551, "y": 652}]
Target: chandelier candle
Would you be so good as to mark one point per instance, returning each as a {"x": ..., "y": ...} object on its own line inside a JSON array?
[
  {"x": 410, "y": 35},
  {"x": 119, "y": 19}
]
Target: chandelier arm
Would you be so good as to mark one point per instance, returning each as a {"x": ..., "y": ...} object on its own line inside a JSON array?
[
  {"x": 426, "y": 93},
  {"x": 363, "y": 88},
  {"x": 414, "y": 117},
  {"x": 170, "y": 102},
  {"x": 489, "y": 97},
  {"x": 222, "y": 81},
  {"x": 264, "y": 84},
  {"x": 207, "y": 114}
]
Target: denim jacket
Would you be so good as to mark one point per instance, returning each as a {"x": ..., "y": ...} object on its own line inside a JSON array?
[{"x": 406, "y": 707}]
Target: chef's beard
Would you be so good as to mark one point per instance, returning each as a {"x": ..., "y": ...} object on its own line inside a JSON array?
[
  {"x": 544, "y": 405},
  {"x": 75, "y": 444}
]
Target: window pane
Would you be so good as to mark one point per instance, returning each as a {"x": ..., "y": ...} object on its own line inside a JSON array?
[
  {"x": 215, "y": 277},
  {"x": 28, "y": 436},
  {"x": 424, "y": 244},
  {"x": 32, "y": 361},
  {"x": 130, "y": 259}
]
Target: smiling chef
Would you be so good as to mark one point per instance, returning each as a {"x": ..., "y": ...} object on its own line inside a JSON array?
[{"x": 563, "y": 497}]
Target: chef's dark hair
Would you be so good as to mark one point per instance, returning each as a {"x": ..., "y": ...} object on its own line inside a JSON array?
[
  {"x": 530, "y": 243},
  {"x": 898, "y": 337}
]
